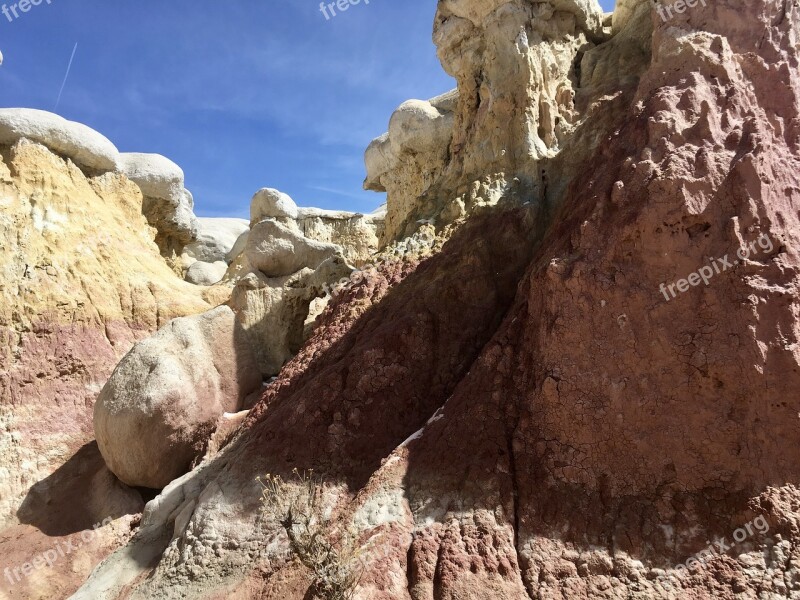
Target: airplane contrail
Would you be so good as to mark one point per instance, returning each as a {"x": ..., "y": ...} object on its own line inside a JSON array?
[{"x": 69, "y": 66}]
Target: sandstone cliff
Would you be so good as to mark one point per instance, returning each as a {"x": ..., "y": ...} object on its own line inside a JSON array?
[
  {"x": 81, "y": 279},
  {"x": 525, "y": 414},
  {"x": 89, "y": 266},
  {"x": 589, "y": 391}
]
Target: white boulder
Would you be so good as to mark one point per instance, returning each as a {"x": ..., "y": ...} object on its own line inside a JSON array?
[
  {"x": 158, "y": 410},
  {"x": 238, "y": 247},
  {"x": 168, "y": 205},
  {"x": 84, "y": 146},
  {"x": 215, "y": 239},
  {"x": 269, "y": 203},
  {"x": 206, "y": 273},
  {"x": 156, "y": 175},
  {"x": 278, "y": 250},
  {"x": 418, "y": 126}
]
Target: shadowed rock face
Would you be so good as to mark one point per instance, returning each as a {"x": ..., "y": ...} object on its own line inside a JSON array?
[{"x": 526, "y": 414}]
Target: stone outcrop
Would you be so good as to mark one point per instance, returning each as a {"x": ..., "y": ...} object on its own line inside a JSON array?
[
  {"x": 358, "y": 235},
  {"x": 278, "y": 250},
  {"x": 526, "y": 414},
  {"x": 215, "y": 241},
  {"x": 219, "y": 242},
  {"x": 81, "y": 280},
  {"x": 205, "y": 273},
  {"x": 407, "y": 161},
  {"x": 155, "y": 415},
  {"x": 168, "y": 205},
  {"x": 84, "y": 146},
  {"x": 269, "y": 203},
  {"x": 281, "y": 271},
  {"x": 518, "y": 67},
  {"x": 273, "y": 311}
]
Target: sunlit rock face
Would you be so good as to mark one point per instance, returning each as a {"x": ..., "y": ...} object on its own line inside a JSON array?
[
  {"x": 527, "y": 413},
  {"x": 518, "y": 69}
]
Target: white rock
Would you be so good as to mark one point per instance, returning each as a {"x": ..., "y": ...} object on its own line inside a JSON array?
[
  {"x": 623, "y": 12},
  {"x": 168, "y": 206},
  {"x": 238, "y": 247},
  {"x": 215, "y": 239},
  {"x": 271, "y": 203},
  {"x": 163, "y": 401},
  {"x": 419, "y": 126},
  {"x": 206, "y": 273},
  {"x": 273, "y": 312},
  {"x": 278, "y": 250},
  {"x": 379, "y": 160},
  {"x": 81, "y": 144},
  {"x": 357, "y": 234},
  {"x": 156, "y": 175}
]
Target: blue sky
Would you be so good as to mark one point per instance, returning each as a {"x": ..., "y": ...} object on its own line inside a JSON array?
[{"x": 242, "y": 95}]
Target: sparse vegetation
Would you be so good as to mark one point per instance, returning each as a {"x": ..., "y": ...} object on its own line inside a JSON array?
[{"x": 298, "y": 505}]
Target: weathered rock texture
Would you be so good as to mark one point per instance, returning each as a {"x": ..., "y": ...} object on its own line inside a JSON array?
[
  {"x": 158, "y": 410},
  {"x": 525, "y": 415},
  {"x": 155, "y": 416},
  {"x": 357, "y": 235},
  {"x": 81, "y": 280},
  {"x": 278, "y": 249},
  {"x": 219, "y": 242},
  {"x": 407, "y": 161},
  {"x": 281, "y": 271},
  {"x": 167, "y": 205},
  {"x": 518, "y": 68},
  {"x": 216, "y": 239},
  {"x": 273, "y": 311},
  {"x": 84, "y": 146}
]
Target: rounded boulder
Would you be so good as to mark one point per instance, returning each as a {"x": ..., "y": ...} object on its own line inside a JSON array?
[{"x": 155, "y": 415}]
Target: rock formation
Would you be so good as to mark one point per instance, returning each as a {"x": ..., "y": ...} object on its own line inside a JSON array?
[
  {"x": 156, "y": 414},
  {"x": 273, "y": 310},
  {"x": 407, "y": 161},
  {"x": 84, "y": 146},
  {"x": 358, "y": 236},
  {"x": 81, "y": 280},
  {"x": 168, "y": 205},
  {"x": 276, "y": 249},
  {"x": 269, "y": 203},
  {"x": 525, "y": 414},
  {"x": 207, "y": 258},
  {"x": 522, "y": 95},
  {"x": 215, "y": 241},
  {"x": 589, "y": 390}
]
